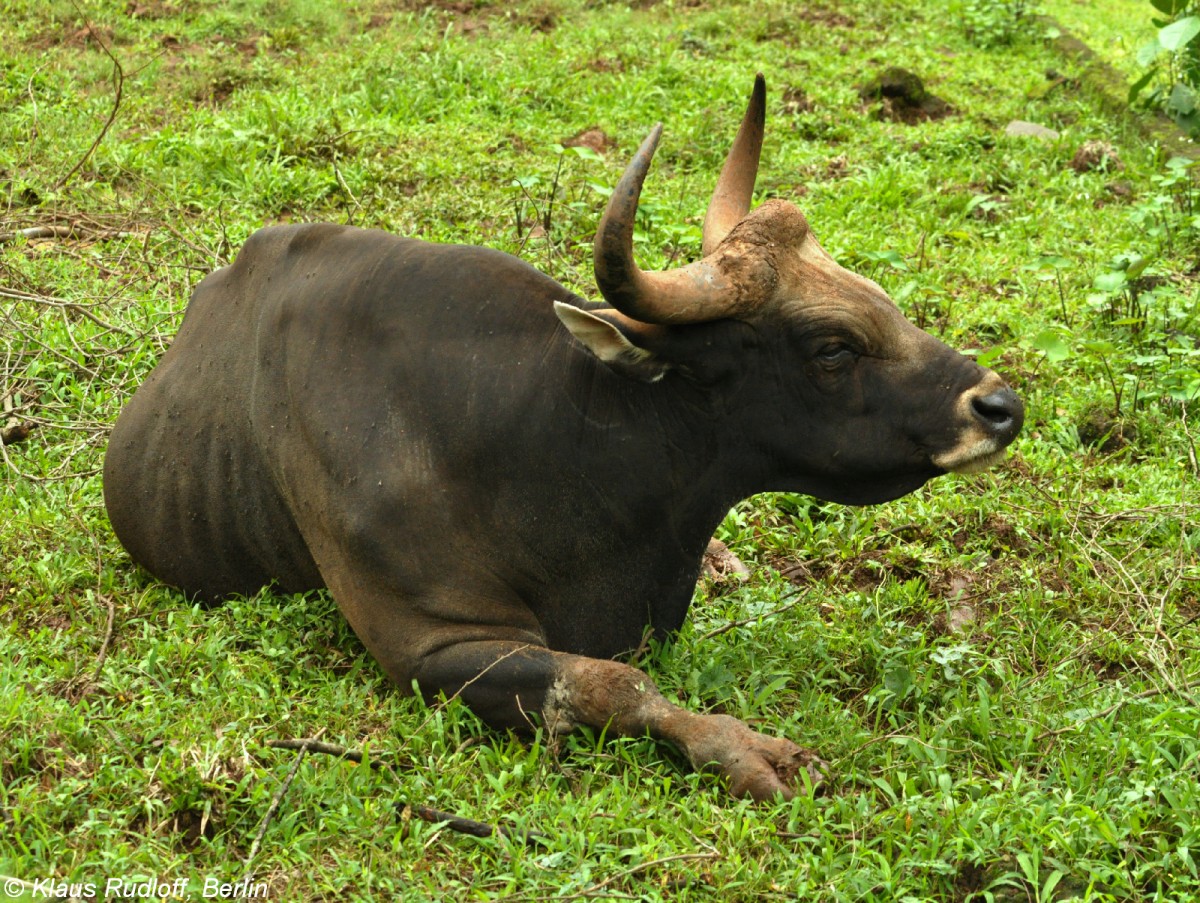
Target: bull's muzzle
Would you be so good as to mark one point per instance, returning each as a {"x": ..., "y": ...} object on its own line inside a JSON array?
[
  {"x": 992, "y": 416},
  {"x": 1000, "y": 413}
]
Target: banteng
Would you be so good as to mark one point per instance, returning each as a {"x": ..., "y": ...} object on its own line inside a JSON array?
[{"x": 502, "y": 484}]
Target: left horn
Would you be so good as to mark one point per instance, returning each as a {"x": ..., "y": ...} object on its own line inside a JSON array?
[
  {"x": 731, "y": 198},
  {"x": 697, "y": 292}
]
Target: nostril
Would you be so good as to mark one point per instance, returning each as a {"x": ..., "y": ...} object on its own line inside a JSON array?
[{"x": 1000, "y": 411}]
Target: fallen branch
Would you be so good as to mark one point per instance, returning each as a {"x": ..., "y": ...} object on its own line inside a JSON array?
[
  {"x": 626, "y": 873},
  {"x": 72, "y": 231},
  {"x": 468, "y": 825},
  {"x": 78, "y": 307},
  {"x": 329, "y": 749},
  {"x": 106, "y": 643},
  {"x": 409, "y": 810}
]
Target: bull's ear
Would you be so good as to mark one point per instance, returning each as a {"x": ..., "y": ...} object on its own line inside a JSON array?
[{"x": 616, "y": 340}]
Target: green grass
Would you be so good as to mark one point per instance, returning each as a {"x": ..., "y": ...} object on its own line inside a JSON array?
[
  {"x": 1115, "y": 29},
  {"x": 1003, "y": 669}
]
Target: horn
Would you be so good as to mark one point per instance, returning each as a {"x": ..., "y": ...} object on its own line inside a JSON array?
[
  {"x": 691, "y": 294},
  {"x": 731, "y": 198}
]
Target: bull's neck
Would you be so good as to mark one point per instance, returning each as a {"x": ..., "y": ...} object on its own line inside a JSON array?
[{"x": 692, "y": 452}]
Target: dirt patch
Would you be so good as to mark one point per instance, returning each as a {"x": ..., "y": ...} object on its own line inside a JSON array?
[
  {"x": 1096, "y": 155},
  {"x": 150, "y": 9},
  {"x": 795, "y": 101},
  {"x": 1105, "y": 433},
  {"x": 461, "y": 7},
  {"x": 865, "y": 573},
  {"x": 828, "y": 17},
  {"x": 650, "y": 4},
  {"x": 541, "y": 21},
  {"x": 67, "y": 36},
  {"x": 997, "y": 533},
  {"x": 592, "y": 138},
  {"x": 192, "y": 826},
  {"x": 786, "y": 30},
  {"x": 474, "y": 17},
  {"x": 607, "y": 64},
  {"x": 900, "y": 96},
  {"x": 219, "y": 90}
]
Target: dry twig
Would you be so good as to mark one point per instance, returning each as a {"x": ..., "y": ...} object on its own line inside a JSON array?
[
  {"x": 409, "y": 810},
  {"x": 119, "y": 81},
  {"x": 733, "y": 625},
  {"x": 275, "y": 803},
  {"x": 1119, "y": 704},
  {"x": 106, "y": 643}
]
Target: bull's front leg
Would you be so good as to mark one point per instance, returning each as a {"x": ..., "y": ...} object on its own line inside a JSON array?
[{"x": 505, "y": 682}]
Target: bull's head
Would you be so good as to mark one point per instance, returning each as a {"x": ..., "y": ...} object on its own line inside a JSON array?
[{"x": 848, "y": 400}]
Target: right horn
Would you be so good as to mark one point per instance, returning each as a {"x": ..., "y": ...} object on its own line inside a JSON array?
[
  {"x": 694, "y": 293},
  {"x": 731, "y": 198}
]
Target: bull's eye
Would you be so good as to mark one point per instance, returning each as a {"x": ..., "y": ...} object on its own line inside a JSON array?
[{"x": 835, "y": 354}]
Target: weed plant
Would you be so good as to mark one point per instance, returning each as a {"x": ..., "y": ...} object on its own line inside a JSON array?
[
  {"x": 1170, "y": 62},
  {"x": 1003, "y": 670}
]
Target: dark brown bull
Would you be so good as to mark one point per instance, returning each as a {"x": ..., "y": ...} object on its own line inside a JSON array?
[{"x": 503, "y": 485}]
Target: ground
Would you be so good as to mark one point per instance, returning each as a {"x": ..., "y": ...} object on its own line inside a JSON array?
[{"x": 1002, "y": 670}]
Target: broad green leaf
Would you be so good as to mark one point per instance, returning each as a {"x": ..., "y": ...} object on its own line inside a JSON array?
[
  {"x": 1189, "y": 122},
  {"x": 905, "y": 291},
  {"x": 897, "y": 679},
  {"x": 1047, "y": 263},
  {"x": 891, "y": 258},
  {"x": 1148, "y": 53},
  {"x": 987, "y": 358},
  {"x": 1051, "y": 344},
  {"x": 1170, "y": 7},
  {"x": 1112, "y": 281},
  {"x": 1179, "y": 34},
  {"x": 584, "y": 152},
  {"x": 1137, "y": 266},
  {"x": 1182, "y": 101},
  {"x": 1051, "y": 883}
]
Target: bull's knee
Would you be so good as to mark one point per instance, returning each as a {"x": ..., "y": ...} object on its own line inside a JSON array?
[{"x": 503, "y": 682}]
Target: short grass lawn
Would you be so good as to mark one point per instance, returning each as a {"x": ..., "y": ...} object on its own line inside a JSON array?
[{"x": 1003, "y": 670}]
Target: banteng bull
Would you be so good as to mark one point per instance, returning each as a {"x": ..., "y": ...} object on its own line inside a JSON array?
[{"x": 503, "y": 485}]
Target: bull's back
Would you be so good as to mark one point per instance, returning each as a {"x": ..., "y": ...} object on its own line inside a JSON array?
[
  {"x": 327, "y": 369},
  {"x": 186, "y": 484}
]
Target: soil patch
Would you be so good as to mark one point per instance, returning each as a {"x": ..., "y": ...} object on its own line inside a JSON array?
[
  {"x": 593, "y": 138},
  {"x": 901, "y": 97}
]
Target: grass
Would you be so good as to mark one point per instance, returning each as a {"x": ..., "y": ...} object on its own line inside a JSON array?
[
  {"x": 1003, "y": 670},
  {"x": 1116, "y": 29}
]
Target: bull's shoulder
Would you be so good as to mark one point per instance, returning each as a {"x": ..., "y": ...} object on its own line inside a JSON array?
[
  {"x": 350, "y": 247},
  {"x": 276, "y": 243}
]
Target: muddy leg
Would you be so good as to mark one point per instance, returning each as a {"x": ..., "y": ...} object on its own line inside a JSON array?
[{"x": 504, "y": 682}]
